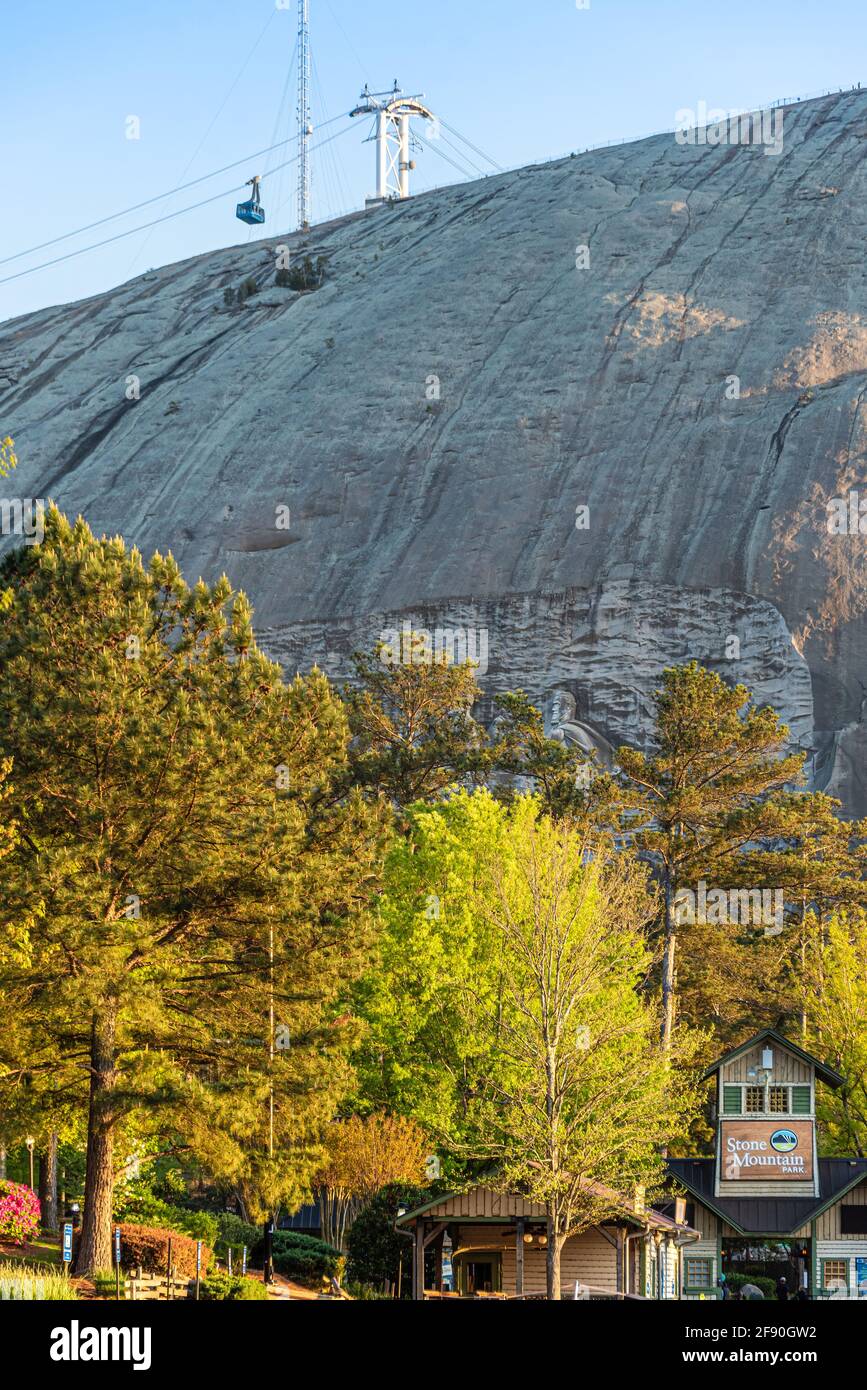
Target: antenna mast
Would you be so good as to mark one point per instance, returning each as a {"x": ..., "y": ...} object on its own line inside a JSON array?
[{"x": 305, "y": 125}]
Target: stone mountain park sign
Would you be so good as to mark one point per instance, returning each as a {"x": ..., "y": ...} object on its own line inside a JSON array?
[{"x": 765, "y": 1150}]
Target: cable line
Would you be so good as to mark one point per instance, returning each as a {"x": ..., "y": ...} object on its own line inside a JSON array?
[
  {"x": 465, "y": 157},
  {"x": 158, "y": 198},
  {"x": 451, "y": 128},
  {"x": 220, "y": 109},
  {"x": 82, "y": 250},
  {"x": 434, "y": 145}
]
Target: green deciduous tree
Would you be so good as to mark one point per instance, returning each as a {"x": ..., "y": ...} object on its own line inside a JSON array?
[
  {"x": 416, "y": 1058},
  {"x": 580, "y": 1093},
  {"x": 833, "y": 988},
  {"x": 185, "y": 893}
]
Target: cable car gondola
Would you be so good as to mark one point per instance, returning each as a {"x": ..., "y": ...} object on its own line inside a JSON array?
[{"x": 252, "y": 211}]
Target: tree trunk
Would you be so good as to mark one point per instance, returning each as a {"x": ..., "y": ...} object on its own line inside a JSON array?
[
  {"x": 668, "y": 967},
  {"x": 48, "y": 1184},
  {"x": 2, "y": 1163},
  {"x": 552, "y": 1261},
  {"x": 94, "y": 1251}
]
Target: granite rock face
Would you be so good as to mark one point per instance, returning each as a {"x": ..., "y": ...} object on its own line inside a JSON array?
[{"x": 607, "y": 468}]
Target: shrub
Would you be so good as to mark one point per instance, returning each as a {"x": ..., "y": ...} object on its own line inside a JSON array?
[
  {"x": 148, "y": 1247},
  {"x": 234, "y": 1288},
  {"x": 365, "y": 1293},
  {"x": 374, "y": 1249},
  {"x": 34, "y": 1282},
  {"x": 767, "y": 1285},
  {"x": 232, "y": 1231},
  {"x": 303, "y": 276},
  {"x": 147, "y": 1210},
  {"x": 19, "y": 1212},
  {"x": 105, "y": 1283},
  {"x": 306, "y": 1259}
]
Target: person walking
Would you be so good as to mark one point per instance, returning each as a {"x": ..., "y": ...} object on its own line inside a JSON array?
[{"x": 782, "y": 1289}]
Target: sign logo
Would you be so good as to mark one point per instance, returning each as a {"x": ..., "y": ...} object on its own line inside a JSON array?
[
  {"x": 783, "y": 1140},
  {"x": 77, "y": 1343}
]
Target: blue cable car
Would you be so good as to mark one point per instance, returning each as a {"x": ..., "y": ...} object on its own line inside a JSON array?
[{"x": 252, "y": 212}]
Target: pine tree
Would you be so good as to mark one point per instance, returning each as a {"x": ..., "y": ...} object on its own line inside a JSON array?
[
  {"x": 705, "y": 793},
  {"x": 410, "y": 715},
  {"x": 185, "y": 904}
]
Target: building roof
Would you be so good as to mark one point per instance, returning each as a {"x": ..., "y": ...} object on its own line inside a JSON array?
[
  {"x": 827, "y": 1074},
  {"x": 306, "y": 1218},
  {"x": 769, "y": 1215},
  {"x": 513, "y": 1205}
]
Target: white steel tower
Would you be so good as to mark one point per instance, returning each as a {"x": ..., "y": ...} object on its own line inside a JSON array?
[
  {"x": 305, "y": 125},
  {"x": 393, "y": 112}
]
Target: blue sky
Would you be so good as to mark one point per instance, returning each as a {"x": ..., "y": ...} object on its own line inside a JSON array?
[{"x": 524, "y": 79}]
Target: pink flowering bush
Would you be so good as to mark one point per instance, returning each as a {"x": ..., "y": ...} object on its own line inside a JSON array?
[{"x": 19, "y": 1212}]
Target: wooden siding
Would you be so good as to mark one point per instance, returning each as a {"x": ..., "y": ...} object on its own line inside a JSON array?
[
  {"x": 828, "y": 1224},
  {"x": 484, "y": 1202},
  {"x": 587, "y": 1259},
  {"x": 839, "y": 1250},
  {"x": 779, "y": 1189},
  {"x": 787, "y": 1067},
  {"x": 706, "y": 1222},
  {"x": 701, "y": 1250}
]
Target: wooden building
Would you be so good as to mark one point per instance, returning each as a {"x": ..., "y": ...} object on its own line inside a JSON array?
[
  {"x": 484, "y": 1243},
  {"x": 765, "y": 1203}
]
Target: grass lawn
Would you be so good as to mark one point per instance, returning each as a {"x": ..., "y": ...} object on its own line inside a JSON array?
[{"x": 43, "y": 1249}]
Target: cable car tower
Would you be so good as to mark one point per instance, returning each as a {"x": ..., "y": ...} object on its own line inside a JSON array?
[
  {"x": 393, "y": 112},
  {"x": 305, "y": 124}
]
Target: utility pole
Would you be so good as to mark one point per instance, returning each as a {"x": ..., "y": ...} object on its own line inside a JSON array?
[{"x": 305, "y": 125}]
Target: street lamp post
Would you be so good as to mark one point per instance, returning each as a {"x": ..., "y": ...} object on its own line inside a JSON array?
[{"x": 31, "y": 1144}]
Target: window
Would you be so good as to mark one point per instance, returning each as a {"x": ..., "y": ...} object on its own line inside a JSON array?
[
  {"x": 697, "y": 1273},
  {"x": 853, "y": 1221},
  {"x": 835, "y": 1274},
  {"x": 731, "y": 1100},
  {"x": 800, "y": 1100},
  {"x": 778, "y": 1100},
  {"x": 755, "y": 1100}
]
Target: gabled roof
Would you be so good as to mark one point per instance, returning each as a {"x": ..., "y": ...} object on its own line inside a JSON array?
[
  {"x": 827, "y": 1074},
  {"x": 769, "y": 1215},
  {"x": 536, "y": 1211}
]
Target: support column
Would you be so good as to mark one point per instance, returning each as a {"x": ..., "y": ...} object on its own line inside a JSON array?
[
  {"x": 382, "y": 155},
  {"x": 404, "y": 157},
  {"x": 519, "y": 1256},
  {"x": 418, "y": 1263}
]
